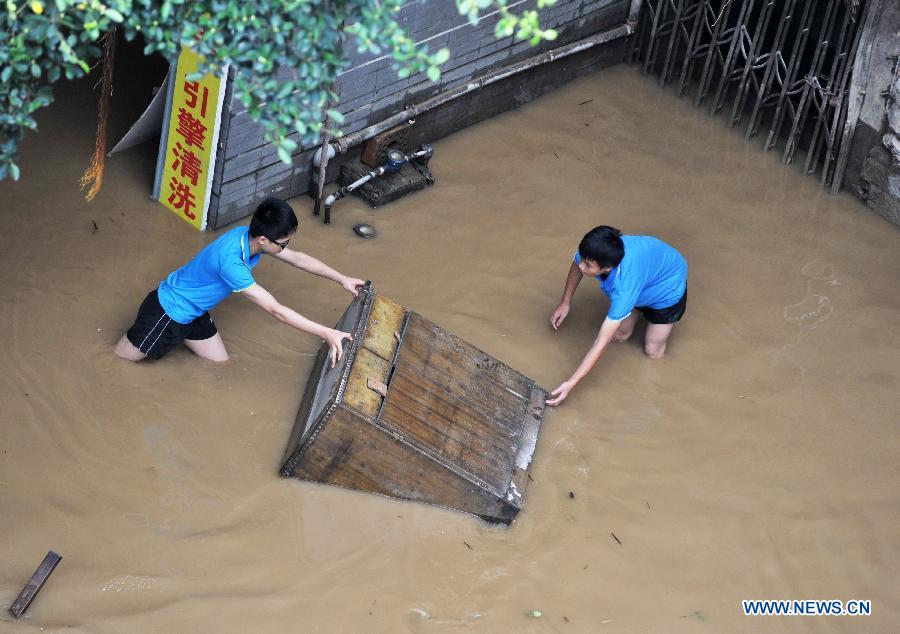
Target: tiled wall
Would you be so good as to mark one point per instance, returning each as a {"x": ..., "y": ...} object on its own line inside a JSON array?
[{"x": 248, "y": 169}]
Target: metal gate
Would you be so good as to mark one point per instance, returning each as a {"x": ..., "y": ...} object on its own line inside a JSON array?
[{"x": 784, "y": 65}]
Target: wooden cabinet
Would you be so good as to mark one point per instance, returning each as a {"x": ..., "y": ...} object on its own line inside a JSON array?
[{"x": 414, "y": 412}]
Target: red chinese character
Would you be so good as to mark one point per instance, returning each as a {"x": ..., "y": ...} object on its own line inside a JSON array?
[
  {"x": 182, "y": 198},
  {"x": 191, "y": 87},
  {"x": 191, "y": 130},
  {"x": 188, "y": 161}
]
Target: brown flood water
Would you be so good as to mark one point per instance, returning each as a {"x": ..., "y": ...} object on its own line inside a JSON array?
[{"x": 759, "y": 459}]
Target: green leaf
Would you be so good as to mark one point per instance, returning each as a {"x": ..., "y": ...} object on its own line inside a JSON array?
[
  {"x": 440, "y": 57},
  {"x": 285, "y": 90},
  {"x": 505, "y": 26},
  {"x": 255, "y": 38},
  {"x": 14, "y": 171}
]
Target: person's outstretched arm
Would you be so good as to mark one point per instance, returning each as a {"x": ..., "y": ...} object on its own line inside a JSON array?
[
  {"x": 265, "y": 300},
  {"x": 604, "y": 337},
  {"x": 572, "y": 280},
  {"x": 311, "y": 265}
]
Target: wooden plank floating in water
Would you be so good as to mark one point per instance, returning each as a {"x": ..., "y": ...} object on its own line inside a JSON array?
[
  {"x": 414, "y": 412},
  {"x": 34, "y": 585}
]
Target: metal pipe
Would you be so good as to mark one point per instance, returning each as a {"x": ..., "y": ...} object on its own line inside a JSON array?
[
  {"x": 721, "y": 34},
  {"x": 690, "y": 53},
  {"x": 772, "y": 66},
  {"x": 324, "y": 154},
  {"x": 654, "y": 33},
  {"x": 425, "y": 152},
  {"x": 790, "y": 74},
  {"x": 320, "y": 177},
  {"x": 634, "y": 13},
  {"x": 673, "y": 38},
  {"x": 811, "y": 78},
  {"x": 343, "y": 191},
  {"x": 344, "y": 143}
]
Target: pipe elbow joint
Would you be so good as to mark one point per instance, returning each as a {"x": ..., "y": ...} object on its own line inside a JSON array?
[{"x": 333, "y": 198}]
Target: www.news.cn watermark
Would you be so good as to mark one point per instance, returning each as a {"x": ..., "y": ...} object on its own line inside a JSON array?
[{"x": 806, "y": 607}]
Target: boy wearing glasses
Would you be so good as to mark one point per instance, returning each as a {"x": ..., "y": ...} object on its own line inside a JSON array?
[
  {"x": 641, "y": 274},
  {"x": 177, "y": 311}
]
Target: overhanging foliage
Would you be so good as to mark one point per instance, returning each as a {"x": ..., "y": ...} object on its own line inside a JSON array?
[{"x": 43, "y": 41}]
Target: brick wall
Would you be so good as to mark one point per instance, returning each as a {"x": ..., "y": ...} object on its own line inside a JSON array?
[{"x": 248, "y": 169}]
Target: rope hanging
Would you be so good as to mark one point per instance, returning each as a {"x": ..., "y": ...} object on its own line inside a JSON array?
[{"x": 94, "y": 173}]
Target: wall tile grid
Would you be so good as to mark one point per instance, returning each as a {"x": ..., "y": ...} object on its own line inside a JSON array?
[{"x": 371, "y": 91}]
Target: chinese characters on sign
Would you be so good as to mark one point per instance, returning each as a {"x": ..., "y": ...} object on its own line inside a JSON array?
[{"x": 190, "y": 145}]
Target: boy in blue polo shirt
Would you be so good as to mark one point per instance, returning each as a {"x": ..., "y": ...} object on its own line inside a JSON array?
[
  {"x": 636, "y": 272},
  {"x": 178, "y": 310}
]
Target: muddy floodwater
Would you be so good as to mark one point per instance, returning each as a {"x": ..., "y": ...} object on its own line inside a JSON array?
[{"x": 760, "y": 459}]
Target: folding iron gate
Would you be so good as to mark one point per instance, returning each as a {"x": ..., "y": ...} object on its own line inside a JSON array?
[{"x": 784, "y": 64}]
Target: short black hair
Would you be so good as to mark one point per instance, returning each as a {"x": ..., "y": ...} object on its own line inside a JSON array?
[
  {"x": 273, "y": 219},
  {"x": 603, "y": 245}
]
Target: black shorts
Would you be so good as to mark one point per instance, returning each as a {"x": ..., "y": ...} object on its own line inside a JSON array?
[
  {"x": 155, "y": 333},
  {"x": 667, "y": 315}
]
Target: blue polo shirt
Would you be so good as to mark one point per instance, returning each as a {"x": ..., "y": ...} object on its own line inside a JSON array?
[
  {"x": 221, "y": 268},
  {"x": 651, "y": 275}
]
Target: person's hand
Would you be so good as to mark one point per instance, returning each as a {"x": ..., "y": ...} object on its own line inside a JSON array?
[
  {"x": 352, "y": 285},
  {"x": 559, "y": 315},
  {"x": 560, "y": 393},
  {"x": 335, "y": 341}
]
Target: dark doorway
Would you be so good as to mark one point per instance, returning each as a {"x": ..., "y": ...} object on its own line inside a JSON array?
[{"x": 137, "y": 78}]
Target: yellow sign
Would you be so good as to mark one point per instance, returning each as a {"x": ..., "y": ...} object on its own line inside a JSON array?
[{"x": 191, "y": 140}]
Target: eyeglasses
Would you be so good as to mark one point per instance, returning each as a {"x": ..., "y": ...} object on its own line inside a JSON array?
[{"x": 283, "y": 245}]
